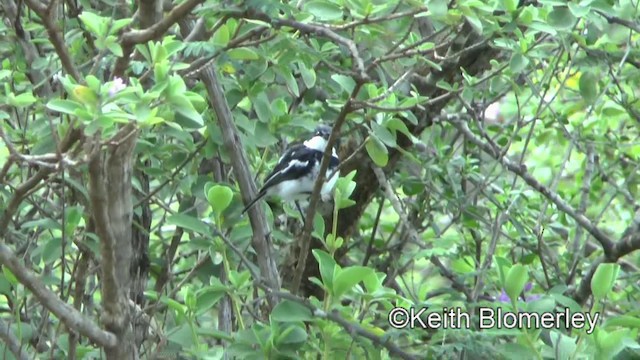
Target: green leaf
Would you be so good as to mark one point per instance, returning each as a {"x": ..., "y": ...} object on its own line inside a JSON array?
[
  {"x": 63, "y": 106},
  {"x": 373, "y": 282},
  {"x": 503, "y": 264},
  {"x": 221, "y": 36},
  {"x": 73, "y": 215},
  {"x": 563, "y": 345},
  {"x": 515, "y": 351},
  {"x": 396, "y": 124},
  {"x": 324, "y": 10},
  {"x": 292, "y": 82},
  {"x": 12, "y": 279},
  {"x": 115, "y": 48},
  {"x": 377, "y": 151},
  {"x": 475, "y": 22},
  {"x": 24, "y": 99},
  {"x": 292, "y": 335},
  {"x": 561, "y": 18},
  {"x": 119, "y": 24},
  {"x": 181, "y": 335},
  {"x": 208, "y": 298},
  {"x": 94, "y": 23},
  {"x": 52, "y": 250},
  {"x": 510, "y": 5},
  {"x": 438, "y": 8},
  {"x": 190, "y": 118},
  {"x": 567, "y": 302},
  {"x": 516, "y": 279},
  {"x": 579, "y": 10},
  {"x": 623, "y": 321},
  {"x": 603, "y": 280},
  {"x": 262, "y": 107},
  {"x": 290, "y": 311},
  {"x": 610, "y": 343},
  {"x": 308, "y": 75},
  {"x": 347, "y": 278},
  {"x": 344, "y": 188},
  {"x": 588, "y": 85},
  {"x": 318, "y": 226},
  {"x": 384, "y": 134},
  {"x": 243, "y": 53},
  {"x": 345, "y": 82},
  {"x": 518, "y": 63},
  {"x": 327, "y": 267},
  {"x": 219, "y": 197},
  {"x": 188, "y": 222}
]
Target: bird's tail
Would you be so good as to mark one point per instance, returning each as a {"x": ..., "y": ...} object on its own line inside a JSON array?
[{"x": 253, "y": 202}]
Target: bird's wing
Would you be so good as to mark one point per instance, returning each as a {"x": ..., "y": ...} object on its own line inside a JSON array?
[
  {"x": 334, "y": 161},
  {"x": 294, "y": 163}
]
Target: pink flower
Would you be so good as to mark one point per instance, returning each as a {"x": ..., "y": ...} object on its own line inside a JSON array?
[{"x": 116, "y": 86}]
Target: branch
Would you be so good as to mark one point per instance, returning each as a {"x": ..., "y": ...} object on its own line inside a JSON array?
[
  {"x": 21, "y": 191},
  {"x": 260, "y": 240},
  {"x": 55, "y": 37},
  {"x": 133, "y": 37},
  {"x": 149, "y": 12},
  {"x": 12, "y": 342},
  {"x": 367, "y": 21},
  {"x": 629, "y": 242},
  {"x": 315, "y": 195},
  {"x": 112, "y": 210},
  {"x": 581, "y": 294},
  {"x": 71, "y": 317},
  {"x": 630, "y": 239},
  {"x": 606, "y": 243},
  {"x": 616, "y": 20},
  {"x": 100, "y": 212},
  {"x": 39, "y": 80},
  {"x": 316, "y": 29},
  {"x": 395, "y": 203}
]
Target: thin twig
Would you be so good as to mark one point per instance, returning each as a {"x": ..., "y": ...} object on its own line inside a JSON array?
[
  {"x": 606, "y": 243},
  {"x": 305, "y": 240},
  {"x": 413, "y": 233}
]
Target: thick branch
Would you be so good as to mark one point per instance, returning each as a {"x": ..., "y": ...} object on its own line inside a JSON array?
[
  {"x": 628, "y": 243},
  {"x": 133, "y": 37},
  {"x": 260, "y": 240},
  {"x": 149, "y": 12},
  {"x": 112, "y": 209}
]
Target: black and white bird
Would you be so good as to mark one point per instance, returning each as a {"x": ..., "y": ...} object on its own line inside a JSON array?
[{"x": 296, "y": 172}]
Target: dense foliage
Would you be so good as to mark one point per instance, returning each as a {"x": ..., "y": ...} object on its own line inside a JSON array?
[{"x": 490, "y": 152}]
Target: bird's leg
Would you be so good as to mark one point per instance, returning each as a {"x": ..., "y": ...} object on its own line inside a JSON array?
[{"x": 300, "y": 210}]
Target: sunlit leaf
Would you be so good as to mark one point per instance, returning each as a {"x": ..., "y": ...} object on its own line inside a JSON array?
[{"x": 324, "y": 10}]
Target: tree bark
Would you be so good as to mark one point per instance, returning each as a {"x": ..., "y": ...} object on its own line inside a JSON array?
[{"x": 112, "y": 208}]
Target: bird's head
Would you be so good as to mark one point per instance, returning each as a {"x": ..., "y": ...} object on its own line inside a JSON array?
[
  {"x": 323, "y": 131},
  {"x": 321, "y": 137}
]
